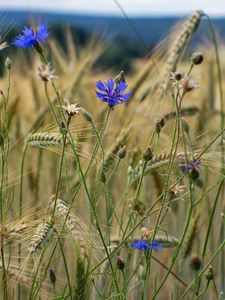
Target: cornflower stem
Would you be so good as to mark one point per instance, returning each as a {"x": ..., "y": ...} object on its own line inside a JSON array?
[
  {"x": 50, "y": 104},
  {"x": 209, "y": 228},
  {"x": 61, "y": 165},
  {"x": 219, "y": 249},
  {"x": 204, "y": 291},
  {"x": 136, "y": 196},
  {"x": 189, "y": 214}
]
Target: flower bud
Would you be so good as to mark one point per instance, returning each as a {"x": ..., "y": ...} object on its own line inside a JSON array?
[
  {"x": 194, "y": 174},
  {"x": 120, "y": 77},
  {"x": 122, "y": 152},
  {"x": 87, "y": 116},
  {"x": 1, "y": 140},
  {"x": 178, "y": 76},
  {"x": 8, "y": 63},
  {"x": 209, "y": 274},
  {"x": 148, "y": 155},
  {"x": 103, "y": 177},
  {"x": 120, "y": 263},
  {"x": 52, "y": 276},
  {"x": 197, "y": 58},
  {"x": 195, "y": 262}
]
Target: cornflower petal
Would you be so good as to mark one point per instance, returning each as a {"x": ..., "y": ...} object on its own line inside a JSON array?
[{"x": 100, "y": 85}]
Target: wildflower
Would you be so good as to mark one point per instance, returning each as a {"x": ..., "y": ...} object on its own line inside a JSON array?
[
  {"x": 46, "y": 72},
  {"x": 192, "y": 168},
  {"x": 176, "y": 76},
  {"x": 188, "y": 84},
  {"x": 144, "y": 245},
  {"x": 193, "y": 164},
  {"x": 32, "y": 36},
  {"x": 71, "y": 109},
  {"x": 112, "y": 93}
]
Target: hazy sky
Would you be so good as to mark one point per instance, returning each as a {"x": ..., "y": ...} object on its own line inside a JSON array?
[{"x": 132, "y": 7}]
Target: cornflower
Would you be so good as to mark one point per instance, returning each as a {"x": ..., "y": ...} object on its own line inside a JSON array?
[
  {"x": 144, "y": 245},
  {"x": 111, "y": 92},
  {"x": 32, "y": 37}
]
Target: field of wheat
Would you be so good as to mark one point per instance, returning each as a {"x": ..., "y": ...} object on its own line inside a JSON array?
[{"x": 112, "y": 185}]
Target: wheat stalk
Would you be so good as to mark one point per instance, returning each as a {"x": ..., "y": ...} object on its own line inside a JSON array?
[
  {"x": 41, "y": 238},
  {"x": 44, "y": 139},
  {"x": 177, "y": 48}
]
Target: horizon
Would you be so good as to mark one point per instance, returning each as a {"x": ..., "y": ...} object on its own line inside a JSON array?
[{"x": 113, "y": 8}]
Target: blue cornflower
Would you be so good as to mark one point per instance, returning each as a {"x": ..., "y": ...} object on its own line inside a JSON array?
[
  {"x": 193, "y": 165},
  {"x": 31, "y": 36},
  {"x": 111, "y": 92},
  {"x": 143, "y": 245}
]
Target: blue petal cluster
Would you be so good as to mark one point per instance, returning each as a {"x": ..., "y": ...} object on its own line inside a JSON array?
[
  {"x": 144, "y": 245},
  {"x": 193, "y": 165},
  {"x": 31, "y": 36},
  {"x": 112, "y": 93}
]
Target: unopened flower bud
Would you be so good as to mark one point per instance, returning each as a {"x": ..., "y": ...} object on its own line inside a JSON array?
[
  {"x": 209, "y": 274},
  {"x": 185, "y": 126},
  {"x": 103, "y": 177},
  {"x": 178, "y": 76},
  {"x": 194, "y": 174},
  {"x": 1, "y": 140},
  {"x": 148, "y": 155},
  {"x": 52, "y": 276},
  {"x": 87, "y": 116},
  {"x": 122, "y": 152},
  {"x": 120, "y": 77},
  {"x": 8, "y": 63},
  {"x": 159, "y": 124},
  {"x": 120, "y": 263},
  {"x": 197, "y": 58},
  {"x": 195, "y": 262}
]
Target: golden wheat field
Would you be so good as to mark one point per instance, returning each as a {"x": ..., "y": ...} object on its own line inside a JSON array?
[{"x": 112, "y": 185}]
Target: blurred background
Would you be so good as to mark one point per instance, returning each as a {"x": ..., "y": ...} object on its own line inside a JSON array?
[{"x": 129, "y": 28}]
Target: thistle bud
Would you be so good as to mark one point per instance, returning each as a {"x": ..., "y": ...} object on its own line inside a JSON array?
[
  {"x": 195, "y": 262},
  {"x": 197, "y": 58},
  {"x": 122, "y": 152},
  {"x": 120, "y": 263},
  {"x": 120, "y": 77},
  {"x": 209, "y": 274},
  {"x": 148, "y": 155},
  {"x": 52, "y": 276},
  {"x": 8, "y": 63},
  {"x": 87, "y": 116},
  {"x": 185, "y": 126}
]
